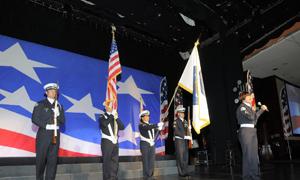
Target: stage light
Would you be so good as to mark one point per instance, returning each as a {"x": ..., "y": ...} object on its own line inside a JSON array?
[
  {"x": 184, "y": 55},
  {"x": 88, "y": 2},
  {"x": 187, "y": 20}
]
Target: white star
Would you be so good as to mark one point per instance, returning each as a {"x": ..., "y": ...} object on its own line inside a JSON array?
[
  {"x": 84, "y": 105},
  {"x": 129, "y": 87},
  {"x": 128, "y": 135},
  {"x": 19, "y": 97},
  {"x": 15, "y": 57}
]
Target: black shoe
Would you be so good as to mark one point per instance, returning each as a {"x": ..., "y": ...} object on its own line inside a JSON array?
[{"x": 185, "y": 175}]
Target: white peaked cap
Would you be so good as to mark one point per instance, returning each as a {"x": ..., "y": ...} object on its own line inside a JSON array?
[
  {"x": 51, "y": 86},
  {"x": 145, "y": 112}
]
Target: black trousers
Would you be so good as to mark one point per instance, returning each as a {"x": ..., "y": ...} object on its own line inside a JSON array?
[
  {"x": 110, "y": 155},
  {"x": 248, "y": 140},
  {"x": 46, "y": 155},
  {"x": 182, "y": 155},
  {"x": 148, "y": 157}
]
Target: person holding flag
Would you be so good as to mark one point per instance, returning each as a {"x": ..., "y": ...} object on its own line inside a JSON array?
[
  {"x": 110, "y": 123},
  {"x": 181, "y": 144},
  {"x": 191, "y": 80},
  {"x": 147, "y": 143}
]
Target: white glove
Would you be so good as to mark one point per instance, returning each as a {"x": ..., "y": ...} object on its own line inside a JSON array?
[
  {"x": 56, "y": 111},
  {"x": 264, "y": 107},
  {"x": 187, "y": 137},
  {"x": 152, "y": 143},
  {"x": 51, "y": 127},
  {"x": 115, "y": 114},
  {"x": 160, "y": 125}
]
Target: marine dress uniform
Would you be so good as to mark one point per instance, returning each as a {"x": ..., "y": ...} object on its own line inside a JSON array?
[
  {"x": 110, "y": 124},
  {"x": 46, "y": 150},
  {"x": 181, "y": 143},
  {"x": 147, "y": 144},
  {"x": 247, "y": 119}
]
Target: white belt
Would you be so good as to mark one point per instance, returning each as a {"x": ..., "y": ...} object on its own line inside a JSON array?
[
  {"x": 178, "y": 137},
  {"x": 111, "y": 138},
  {"x": 148, "y": 140},
  {"x": 247, "y": 125},
  {"x": 56, "y": 128}
]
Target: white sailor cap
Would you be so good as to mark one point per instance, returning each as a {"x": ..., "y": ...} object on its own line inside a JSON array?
[
  {"x": 144, "y": 113},
  {"x": 180, "y": 108},
  {"x": 51, "y": 86}
]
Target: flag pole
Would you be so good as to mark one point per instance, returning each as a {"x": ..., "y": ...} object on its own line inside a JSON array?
[
  {"x": 196, "y": 44},
  {"x": 158, "y": 132},
  {"x": 141, "y": 105},
  {"x": 172, "y": 97},
  {"x": 113, "y": 30}
]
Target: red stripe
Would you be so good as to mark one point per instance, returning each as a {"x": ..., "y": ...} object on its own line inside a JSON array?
[
  {"x": 161, "y": 153},
  {"x": 23, "y": 142},
  {"x": 66, "y": 153},
  {"x": 17, "y": 140},
  {"x": 113, "y": 57},
  {"x": 114, "y": 74},
  {"x": 111, "y": 66},
  {"x": 112, "y": 89}
]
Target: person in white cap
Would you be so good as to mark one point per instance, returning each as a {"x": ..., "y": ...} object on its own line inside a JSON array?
[
  {"x": 43, "y": 116},
  {"x": 181, "y": 142},
  {"x": 147, "y": 134},
  {"x": 110, "y": 124}
]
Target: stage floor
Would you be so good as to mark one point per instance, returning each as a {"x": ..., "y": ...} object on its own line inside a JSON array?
[{"x": 274, "y": 171}]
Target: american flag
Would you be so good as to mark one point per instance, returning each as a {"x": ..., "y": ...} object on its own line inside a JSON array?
[
  {"x": 114, "y": 69},
  {"x": 285, "y": 114},
  {"x": 249, "y": 88},
  {"x": 164, "y": 107},
  {"x": 178, "y": 100}
]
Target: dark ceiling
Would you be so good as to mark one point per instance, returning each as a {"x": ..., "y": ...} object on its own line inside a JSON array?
[{"x": 159, "y": 21}]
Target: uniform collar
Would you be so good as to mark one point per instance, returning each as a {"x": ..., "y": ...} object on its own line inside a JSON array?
[
  {"x": 146, "y": 122},
  {"x": 109, "y": 113},
  {"x": 247, "y": 104},
  {"x": 51, "y": 100}
]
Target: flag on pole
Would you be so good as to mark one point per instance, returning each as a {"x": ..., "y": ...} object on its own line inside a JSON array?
[
  {"x": 164, "y": 108},
  {"x": 191, "y": 80},
  {"x": 114, "y": 69},
  {"x": 178, "y": 101},
  {"x": 249, "y": 88}
]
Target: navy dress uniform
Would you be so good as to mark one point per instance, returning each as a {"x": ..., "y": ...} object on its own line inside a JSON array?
[
  {"x": 181, "y": 142},
  {"x": 147, "y": 134},
  {"x": 247, "y": 119},
  {"x": 43, "y": 117},
  {"x": 110, "y": 124}
]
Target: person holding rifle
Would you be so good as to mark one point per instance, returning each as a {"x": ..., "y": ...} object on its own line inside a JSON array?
[
  {"x": 147, "y": 134},
  {"x": 48, "y": 115},
  {"x": 181, "y": 142}
]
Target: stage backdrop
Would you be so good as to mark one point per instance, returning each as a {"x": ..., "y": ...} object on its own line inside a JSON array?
[{"x": 25, "y": 67}]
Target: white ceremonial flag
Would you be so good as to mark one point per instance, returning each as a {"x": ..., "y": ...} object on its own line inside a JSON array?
[{"x": 191, "y": 80}]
